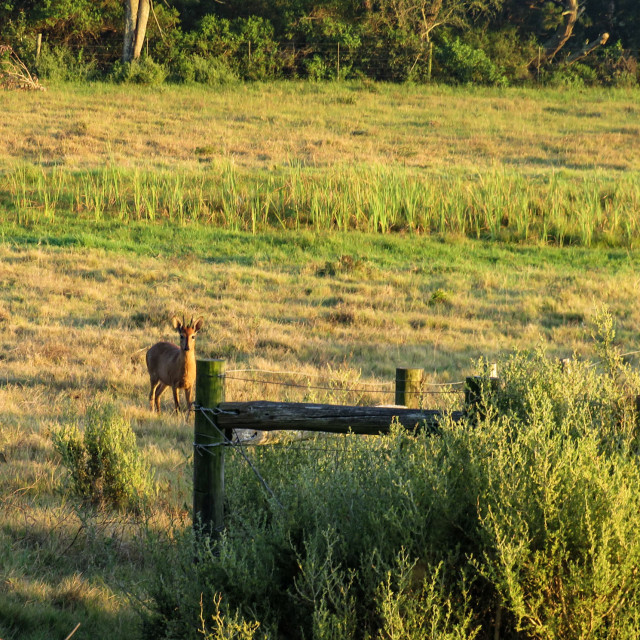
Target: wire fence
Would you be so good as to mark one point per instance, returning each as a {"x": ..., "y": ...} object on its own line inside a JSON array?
[
  {"x": 252, "y": 383},
  {"x": 291, "y": 452},
  {"x": 345, "y": 387},
  {"x": 236, "y": 445},
  {"x": 294, "y": 455}
]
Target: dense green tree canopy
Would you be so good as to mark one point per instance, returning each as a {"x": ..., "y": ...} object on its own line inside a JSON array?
[{"x": 480, "y": 41}]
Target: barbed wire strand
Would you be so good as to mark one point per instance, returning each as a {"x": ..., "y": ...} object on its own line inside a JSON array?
[
  {"x": 336, "y": 389},
  {"x": 320, "y": 375},
  {"x": 292, "y": 373}
]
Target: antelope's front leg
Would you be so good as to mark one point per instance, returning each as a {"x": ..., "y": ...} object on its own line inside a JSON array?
[
  {"x": 175, "y": 399},
  {"x": 188, "y": 397}
]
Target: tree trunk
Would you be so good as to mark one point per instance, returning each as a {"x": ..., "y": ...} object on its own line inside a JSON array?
[
  {"x": 560, "y": 38},
  {"x": 130, "y": 21},
  {"x": 135, "y": 28},
  {"x": 141, "y": 26}
]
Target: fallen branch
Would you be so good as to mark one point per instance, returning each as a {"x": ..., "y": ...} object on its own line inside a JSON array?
[
  {"x": 14, "y": 73},
  {"x": 587, "y": 49},
  {"x": 74, "y": 630}
]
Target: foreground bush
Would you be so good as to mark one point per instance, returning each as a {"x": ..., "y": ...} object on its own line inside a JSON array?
[
  {"x": 523, "y": 525},
  {"x": 104, "y": 464}
]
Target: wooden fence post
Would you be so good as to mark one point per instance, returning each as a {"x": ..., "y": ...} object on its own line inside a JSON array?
[
  {"x": 208, "y": 449},
  {"x": 473, "y": 392},
  {"x": 408, "y": 387}
]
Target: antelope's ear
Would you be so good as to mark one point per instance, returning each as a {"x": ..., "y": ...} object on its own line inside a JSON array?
[
  {"x": 199, "y": 324},
  {"x": 176, "y": 323}
]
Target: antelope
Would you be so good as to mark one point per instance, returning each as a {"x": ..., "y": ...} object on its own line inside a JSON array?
[{"x": 173, "y": 366}]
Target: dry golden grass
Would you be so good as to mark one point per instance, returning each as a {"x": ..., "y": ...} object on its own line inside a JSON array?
[
  {"x": 261, "y": 126},
  {"x": 75, "y": 322}
]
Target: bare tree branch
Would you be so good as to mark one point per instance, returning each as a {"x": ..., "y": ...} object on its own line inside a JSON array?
[
  {"x": 564, "y": 32},
  {"x": 14, "y": 73},
  {"x": 587, "y": 49}
]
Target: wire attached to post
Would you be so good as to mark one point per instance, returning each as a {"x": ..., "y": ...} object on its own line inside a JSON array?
[{"x": 227, "y": 442}]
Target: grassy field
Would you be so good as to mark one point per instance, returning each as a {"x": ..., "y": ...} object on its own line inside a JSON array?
[
  {"x": 265, "y": 126},
  {"x": 530, "y": 166},
  {"x": 87, "y": 284}
]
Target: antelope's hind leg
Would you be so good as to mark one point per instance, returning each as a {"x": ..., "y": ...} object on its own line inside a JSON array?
[{"x": 157, "y": 388}]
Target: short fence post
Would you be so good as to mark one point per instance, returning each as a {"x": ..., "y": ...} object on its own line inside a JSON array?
[
  {"x": 408, "y": 387},
  {"x": 473, "y": 392},
  {"x": 208, "y": 449},
  {"x": 565, "y": 364}
]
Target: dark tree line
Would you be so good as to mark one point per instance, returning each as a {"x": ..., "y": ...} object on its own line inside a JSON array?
[{"x": 477, "y": 41}]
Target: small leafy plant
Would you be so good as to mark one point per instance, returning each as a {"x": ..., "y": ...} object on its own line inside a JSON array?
[{"x": 104, "y": 464}]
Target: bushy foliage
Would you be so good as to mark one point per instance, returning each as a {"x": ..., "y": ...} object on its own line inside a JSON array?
[
  {"x": 487, "y": 41},
  {"x": 104, "y": 464},
  {"x": 521, "y": 525},
  {"x": 64, "y": 65},
  {"x": 506, "y": 49},
  {"x": 339, "y": 49},
  {"x": 246, "y": 46},
  {"x": 144, "y": 71},
  {"x": 575, "y": 76},
  {"x": 616, "y": 66},
  {"x": 461, "y": 63},
  {"x": 198, "y": 69}
]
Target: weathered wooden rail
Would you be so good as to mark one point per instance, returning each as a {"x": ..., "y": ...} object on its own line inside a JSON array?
[
  {"x": 325, "y": 418},
  {"x": 216, "y": 419}
]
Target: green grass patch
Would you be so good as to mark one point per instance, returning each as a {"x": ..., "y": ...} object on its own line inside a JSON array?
[{"x": 588, "y": 209}]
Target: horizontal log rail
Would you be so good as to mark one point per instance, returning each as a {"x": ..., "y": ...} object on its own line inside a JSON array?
[
  {"x": 326, "y": 418},
  {"x": 215, "y": 420}
]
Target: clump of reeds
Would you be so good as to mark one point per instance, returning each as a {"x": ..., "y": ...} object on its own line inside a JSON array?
[{"x": 496, "y": 205}]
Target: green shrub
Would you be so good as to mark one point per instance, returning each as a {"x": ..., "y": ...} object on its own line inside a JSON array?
[
  {"x": 339, "y": 50},
  {"x": 103, "y": 462},
  {"x": 461, "y": 63},
  {"x": 194, "y": 68},
  {"x": 247, "y": 45},
  {"x": 616, "y": 66},
  {"x": 316, "y": 69},
  {"x": 508, "y": 49},
  {"x": 224, "y": 625},
  {"x": 558, "y": 517},
  {"x": 62, "y": 65},
  {"x": 575, "y": 76},
  {"x": 142, "y": 71}
]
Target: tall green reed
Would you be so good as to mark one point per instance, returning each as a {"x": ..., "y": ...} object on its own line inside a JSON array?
[{"x": 500, "y": 205}]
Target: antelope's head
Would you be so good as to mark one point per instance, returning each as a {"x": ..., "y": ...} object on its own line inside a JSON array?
[{"x": 187, "y": 332}]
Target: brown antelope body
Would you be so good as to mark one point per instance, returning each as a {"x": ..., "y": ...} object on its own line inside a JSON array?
[{"x": 173, "y": 366}]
